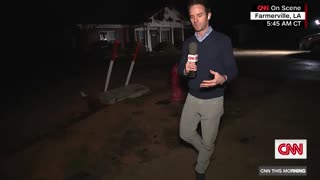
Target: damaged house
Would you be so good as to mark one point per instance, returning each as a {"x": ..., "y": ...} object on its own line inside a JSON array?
[{"x": 166, "y": 25}]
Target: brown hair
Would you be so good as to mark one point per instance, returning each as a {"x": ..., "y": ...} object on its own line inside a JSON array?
[{"x": 204, "y": 3}]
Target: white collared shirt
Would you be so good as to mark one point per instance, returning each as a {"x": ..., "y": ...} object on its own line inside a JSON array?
[{"x": 205, "y": 34}]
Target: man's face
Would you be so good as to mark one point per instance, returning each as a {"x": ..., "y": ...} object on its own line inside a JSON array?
[{"x": 199, "y": 17}]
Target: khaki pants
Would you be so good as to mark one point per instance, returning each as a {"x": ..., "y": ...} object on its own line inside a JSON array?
[{"x": 208, "y": 112}]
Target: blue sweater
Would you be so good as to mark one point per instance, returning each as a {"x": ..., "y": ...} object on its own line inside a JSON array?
[{"x": 214, "y": 52}]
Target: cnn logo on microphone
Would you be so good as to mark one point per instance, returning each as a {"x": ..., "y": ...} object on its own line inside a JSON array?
[{"x": 290, "y": 149}]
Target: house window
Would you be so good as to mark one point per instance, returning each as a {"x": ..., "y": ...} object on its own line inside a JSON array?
[
  {"x": 165, "y": 36},
  {"x": 108, "y": 36},
  {"x": 140, "y": 36},
  {"x": 177, "y": 35}
]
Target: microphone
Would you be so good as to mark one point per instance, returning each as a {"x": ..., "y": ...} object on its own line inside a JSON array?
[{"x": 192, "y": 57}]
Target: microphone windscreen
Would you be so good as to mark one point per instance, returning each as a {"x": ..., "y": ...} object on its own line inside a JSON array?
[{"x": 193, "y": 47}]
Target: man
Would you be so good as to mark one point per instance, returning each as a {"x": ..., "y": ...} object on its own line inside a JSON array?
[{"x": 215, "y": 68}]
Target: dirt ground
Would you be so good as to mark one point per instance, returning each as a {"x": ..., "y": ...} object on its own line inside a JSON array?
[{"x": 70, "y": 137}]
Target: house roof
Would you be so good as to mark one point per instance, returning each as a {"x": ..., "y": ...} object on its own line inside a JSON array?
[{"x": 168, "y": 14}]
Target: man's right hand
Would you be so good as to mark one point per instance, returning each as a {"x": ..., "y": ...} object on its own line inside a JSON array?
[{"x": 190, "y": 66}]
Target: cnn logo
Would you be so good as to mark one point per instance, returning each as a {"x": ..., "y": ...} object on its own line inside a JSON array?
[{"x": 290, "y": 149}]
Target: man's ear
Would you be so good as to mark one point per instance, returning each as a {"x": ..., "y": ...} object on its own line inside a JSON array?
[{"x": 209, "y": 15}]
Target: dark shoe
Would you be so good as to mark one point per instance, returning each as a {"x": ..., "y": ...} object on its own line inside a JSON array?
[{"x": 200, "y": 176}]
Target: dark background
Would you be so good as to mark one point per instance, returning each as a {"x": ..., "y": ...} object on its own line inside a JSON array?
[{"x": 36, "y": 38}]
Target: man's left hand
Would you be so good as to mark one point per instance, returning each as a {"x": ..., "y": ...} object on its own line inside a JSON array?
[{"x": 217, "y": 80}]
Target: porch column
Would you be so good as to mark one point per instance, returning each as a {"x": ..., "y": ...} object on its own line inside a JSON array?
[
  {"x": 127, "y": 35},
  {"x": 122, "y": 37},
  {"x": 160, "y": 33},
  {"x": 149, "y": 38},
  {"x": 135, "y": 35},
  {"x": 145, "y": 37},
  {"x": 182, "y": 34},
  {"x": 172, "y": 35}
]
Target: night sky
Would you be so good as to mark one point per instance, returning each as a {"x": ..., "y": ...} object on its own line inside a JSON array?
[
  {"x": 128, "y": 11},
  {"x": 48, "y": 21},
  {"x": 61, "y": 16},
  {"x": 40, "y": 25},
  {"x": 36, "y": 32},
  {"x": 225, "y": 12}
]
